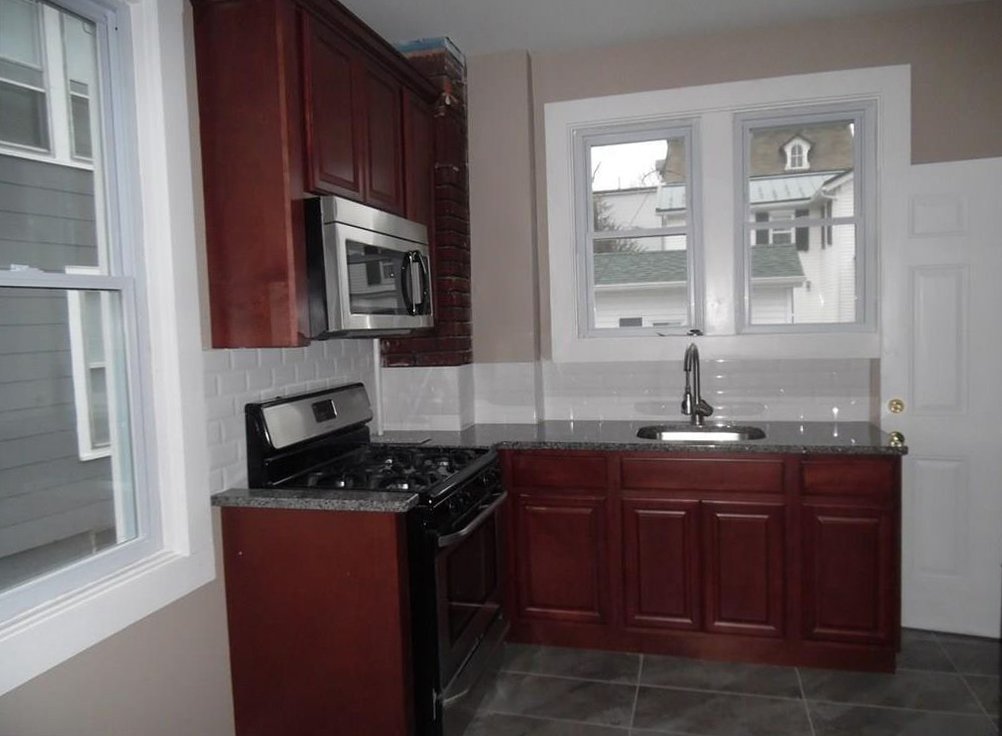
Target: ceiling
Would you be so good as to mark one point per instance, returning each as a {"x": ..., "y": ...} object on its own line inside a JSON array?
[{"x": 485, "y": 26}]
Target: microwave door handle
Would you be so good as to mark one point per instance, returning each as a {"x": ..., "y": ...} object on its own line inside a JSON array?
[
  {"x": 405, "y": 282},
  {"x": 425, "y": 284}
]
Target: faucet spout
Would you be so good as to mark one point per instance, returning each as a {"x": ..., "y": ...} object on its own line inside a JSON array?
[{"x": 693, "y": 404}]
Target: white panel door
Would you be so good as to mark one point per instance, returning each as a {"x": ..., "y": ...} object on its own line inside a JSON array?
[{"x": 942, "y": 355}]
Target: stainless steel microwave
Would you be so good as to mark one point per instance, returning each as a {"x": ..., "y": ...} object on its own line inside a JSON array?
[{"x": 369, "y": 272}]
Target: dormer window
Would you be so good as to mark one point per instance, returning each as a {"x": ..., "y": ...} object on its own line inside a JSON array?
[{"x": 797, "y": 150}]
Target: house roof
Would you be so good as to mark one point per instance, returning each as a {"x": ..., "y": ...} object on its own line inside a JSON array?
[
  {"x": 669, "y": 266},
  {"x": 763, "y": 189}
]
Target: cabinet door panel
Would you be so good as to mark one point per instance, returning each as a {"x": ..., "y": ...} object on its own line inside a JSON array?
[
  {"x": 419, "y": 160},
  {"x": 661, "y": 563},
  {"x": 384, "y": 186},
  {"x": 743, "y": 578},
  {"x": 562, "y": 560},
  {"x": 849, "y": 582},
  {"x": 334, "y": 114}
]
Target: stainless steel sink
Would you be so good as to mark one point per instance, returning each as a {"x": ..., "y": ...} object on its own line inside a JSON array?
[{"x": 696, "y": 433}]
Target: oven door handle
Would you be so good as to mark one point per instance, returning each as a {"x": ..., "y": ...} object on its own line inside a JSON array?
[{"x": 450, "y": 539}]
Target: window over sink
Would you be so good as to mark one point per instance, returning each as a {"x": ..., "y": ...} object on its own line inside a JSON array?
[{"x": 775, "y": 209}]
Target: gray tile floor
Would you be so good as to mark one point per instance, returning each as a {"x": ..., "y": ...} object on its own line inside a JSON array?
[{"x": 945, "y": 686}]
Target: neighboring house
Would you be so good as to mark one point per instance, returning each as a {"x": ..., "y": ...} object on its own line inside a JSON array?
[
  {"x": 650, "y": 288},
  {"x": 798, "y": 274},
  {"x": 55, "y": 469}
]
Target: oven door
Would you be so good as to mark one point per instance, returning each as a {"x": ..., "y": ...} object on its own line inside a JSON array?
[
  {"x": 469, "y": 583},
  {"x": 375, "y": 281}
]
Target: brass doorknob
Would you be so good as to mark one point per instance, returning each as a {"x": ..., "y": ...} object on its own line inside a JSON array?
[
  {"x": 896, "y": 439},
  {"x": 895, "y": 406}
]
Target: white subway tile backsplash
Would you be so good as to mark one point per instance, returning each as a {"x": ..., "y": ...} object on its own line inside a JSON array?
[
  {"x": 763, "y": 390},
  {"x": 235, "y": 377}
]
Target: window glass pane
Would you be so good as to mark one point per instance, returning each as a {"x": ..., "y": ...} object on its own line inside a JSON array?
[
  {"x": 19, "y": 31},
  {"x": 66, "y": 477},
  {"x": 80, "y": 122},
  {"x": 638, "y": 185},
  {"x": 811, "y": 285},
  {"x": 20, "y": 74},
  {"x": 802, "y": 167},
  {"x": 23, "y": 116},
  {"x": 642, "y": 279},
  {"x": 50, "y": 218},
  {"x": 79, "y": 43}
]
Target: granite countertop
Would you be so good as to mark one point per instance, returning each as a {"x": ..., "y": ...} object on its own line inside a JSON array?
[
  {"x": 825, "y": 438},
  {"x": 837, "y": 438},
  {"x": 316, "y": 500}
]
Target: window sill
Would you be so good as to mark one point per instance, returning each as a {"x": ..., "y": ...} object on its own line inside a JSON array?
[{"x": 47, "y": 635}]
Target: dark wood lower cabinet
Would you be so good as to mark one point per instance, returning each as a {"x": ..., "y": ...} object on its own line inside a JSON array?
[
  {"x": 319, "y": 622},
  {"x": 849, "y": 565},
  {"x": 661, "y": 564},
  {"x": 745, "y": 572},
  {"x": 785, "y": 559},
  {"x": 562, "y": 565}
]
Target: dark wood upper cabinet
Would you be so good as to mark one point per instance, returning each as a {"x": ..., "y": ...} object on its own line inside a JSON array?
[
  {"x": 419, "y": 159},
  {"x": 384, "y": 161},
  {"x": 296, "y": 98},
  {"x": 333, "y": 82}
]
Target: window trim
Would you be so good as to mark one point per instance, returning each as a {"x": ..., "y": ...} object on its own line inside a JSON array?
[
  {"x": 890, "y": 86},
  {"x": 863, "y": 112},
  {"x": 163, "y": 218},
  {"x": 585, "y": 235}
]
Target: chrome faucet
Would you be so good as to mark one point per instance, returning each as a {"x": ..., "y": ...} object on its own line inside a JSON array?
[{"x": 692, "y": 402}]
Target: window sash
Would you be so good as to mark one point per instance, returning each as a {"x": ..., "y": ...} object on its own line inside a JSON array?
[
  {"x": 587, "y": 236},
  {"x": 863, "y": 115},
  {"x": 116, "y": 199}
]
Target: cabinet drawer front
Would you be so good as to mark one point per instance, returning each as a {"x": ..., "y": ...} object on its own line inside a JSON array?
[
  {"x": 559, "y": 471},
  {"x": 704, "y": 474},
  {"x": 849, "y": 477}
]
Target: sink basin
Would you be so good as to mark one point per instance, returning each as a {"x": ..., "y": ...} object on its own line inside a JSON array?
[{"x": 706, "y": 433}]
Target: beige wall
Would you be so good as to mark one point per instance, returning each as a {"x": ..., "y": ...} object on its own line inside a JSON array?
[
  {"x": 956, "y": 59},
  {"x": 166, "y": 675},
  {"x": 502, "y": 206}
]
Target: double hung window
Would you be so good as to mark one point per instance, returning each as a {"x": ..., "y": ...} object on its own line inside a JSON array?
[
  {"x": 806, "y": 248},
  {"x": 638, "y": 253},
  {"x": 72, "y": 506}
]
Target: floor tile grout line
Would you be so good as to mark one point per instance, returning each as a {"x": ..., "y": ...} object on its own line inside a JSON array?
[
  {"x": 977, "y": 699},
  {"x": 856, "y": 704},
  {"x": 552, "y": 719},
  {"x": 807, "y": 706},
  {"x": 636, "y": 693},
  {"x": 567, "y": 677}
]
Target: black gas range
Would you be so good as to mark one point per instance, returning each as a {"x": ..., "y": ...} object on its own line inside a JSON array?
[{"x": 321, "y": 442}]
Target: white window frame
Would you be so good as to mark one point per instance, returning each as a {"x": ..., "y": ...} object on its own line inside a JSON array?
[
  {"x": 863, "y": 114},
  {"x": 81, "y": 366},
  {"x": 687, "y": 130},
  {"x": 715, "y": 106},
  {"x": 174, "y": 554}
]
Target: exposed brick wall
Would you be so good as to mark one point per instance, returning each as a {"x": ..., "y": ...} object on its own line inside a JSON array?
[{"x": 450, "y": 342}]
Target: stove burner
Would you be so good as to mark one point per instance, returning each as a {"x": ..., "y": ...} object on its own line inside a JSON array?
[{"x": 376, "y": 468}]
